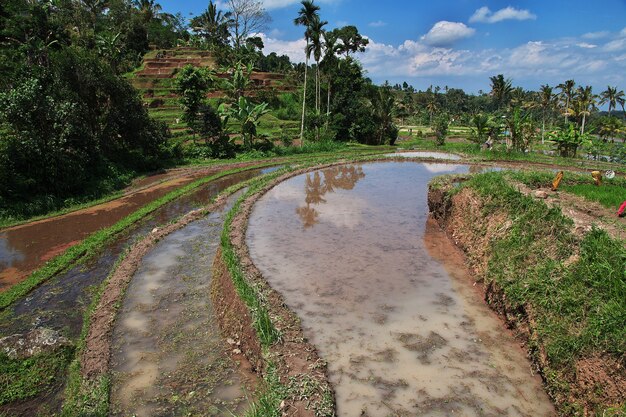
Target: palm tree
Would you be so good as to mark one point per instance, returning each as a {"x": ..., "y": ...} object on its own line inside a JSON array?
[
  {"x": 213, "y": 25},
  {"x": 149, "y": 9},
  {"x": 316, "y": 30},
  {"x": 585, "y": 102},
  {"x": 306, "y": 15},
  {"x": 501, "y": 90},
  {"x": 330, "y": 49},
  {"x": 431, "y": 106},
  {"x": 546, "y": 103},
  {"x": 613, "y": 97},
  {"x": 567, "y": 91}
]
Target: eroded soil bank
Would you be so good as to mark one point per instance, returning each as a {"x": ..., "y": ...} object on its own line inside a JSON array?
[
  {"x": 594, "y": 384},
  {"x": 168, "y": 357},
  {"x": 402, "y": 332}
]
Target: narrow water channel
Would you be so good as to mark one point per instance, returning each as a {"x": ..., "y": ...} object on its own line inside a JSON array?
[
  {"x": 402, "y": 329},
  {"x": 168, "y": 357}
]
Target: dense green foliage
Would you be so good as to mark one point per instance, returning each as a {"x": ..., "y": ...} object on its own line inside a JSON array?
[{"x": 70, "y": 126}]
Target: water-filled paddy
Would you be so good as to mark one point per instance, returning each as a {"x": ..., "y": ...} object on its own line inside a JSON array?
[
  {"x": 168, "y": 356},
  {"x": 385, "y": 298}
]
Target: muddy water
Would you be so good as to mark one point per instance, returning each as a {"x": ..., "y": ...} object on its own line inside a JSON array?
[
  {"x": 60, "y": 302},
  {"x": 168, "y": 357},
  {"x": 26, "y": 247},
  {"x": 404, "y": 333}
]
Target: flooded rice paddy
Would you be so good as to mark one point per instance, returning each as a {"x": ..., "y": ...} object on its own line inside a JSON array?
[
  {"x": 168, "y": 357},
  {"x": 425, "y": 154},
  {"x": 25, "y": 247},
  {"x": 384, "y": 296},
  {"x": 60, "y": 302}
]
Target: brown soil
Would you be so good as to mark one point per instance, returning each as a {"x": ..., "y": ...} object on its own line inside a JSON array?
[
  {"x": 95, "y": 357},
  {"x": 597, "y": 381}
]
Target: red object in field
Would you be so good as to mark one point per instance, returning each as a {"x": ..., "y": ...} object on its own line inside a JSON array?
[{"x": 621, "y": 210}]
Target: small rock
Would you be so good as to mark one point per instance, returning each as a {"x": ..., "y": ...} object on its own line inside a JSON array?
[
  {"x": 237, "y": 351},
  {"x": 36, "y": 341},
  {"x": 541, "y": 194},
  {"x": 230, "y": 341},
  {"x": 156, "y": 229}
]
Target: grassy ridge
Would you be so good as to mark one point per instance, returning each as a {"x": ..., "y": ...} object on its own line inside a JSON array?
[{"x": 577, "y": 302}]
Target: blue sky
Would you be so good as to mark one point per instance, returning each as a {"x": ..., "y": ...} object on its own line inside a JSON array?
[{"x": 461, "y": 43}]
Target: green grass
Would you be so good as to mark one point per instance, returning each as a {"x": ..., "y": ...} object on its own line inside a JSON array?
[
  {"x": 610, "y": 196},
  {"x": 21, "y": 379},
  {"x": 578, "y": 307}
]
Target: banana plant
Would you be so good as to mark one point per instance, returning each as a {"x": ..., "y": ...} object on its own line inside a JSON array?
[{"x": 248, "y": 115}]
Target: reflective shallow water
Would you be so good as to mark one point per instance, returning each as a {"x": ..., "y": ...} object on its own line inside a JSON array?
[
  {"x": 425, "y": 154},
  {"x": 385, "y": 301},
  {"x": 168, "y": 357}
]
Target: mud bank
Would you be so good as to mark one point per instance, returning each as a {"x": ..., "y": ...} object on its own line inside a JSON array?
[{"x": 595, "y": 384}]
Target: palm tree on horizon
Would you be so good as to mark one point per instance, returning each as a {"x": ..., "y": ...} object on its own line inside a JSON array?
[
  {"x": 567, "y": 91},
  {"x": 547, "y": 101},
  {"x": 306, "y": 15},
  {"x": 613, "y": 98},
  {"x": 585, "y": 103}
]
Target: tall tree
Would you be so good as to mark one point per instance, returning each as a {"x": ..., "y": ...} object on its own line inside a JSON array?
[
  {"x": 248, "y": 17},
  {"x": 328, "y": 61},
  {"x": 546, "y": 102},
  {"x": 351, "y": 40},
  {"x": 316, "y": 47},
  {"x": 306, "y": 15},
  {"x": 213, "y": 25},
  {"x": 149, "y": 9},
  {"x": 612, "y": 97},
  {"x": 567, "y": 92},
  {"x": 501, "y": 90},
  {"x": 585, "y": 103}
]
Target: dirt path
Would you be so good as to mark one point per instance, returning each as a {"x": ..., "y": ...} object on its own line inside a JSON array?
[
  {"x": 26, "y": 247},
  {"x": 583, "y": 212}
]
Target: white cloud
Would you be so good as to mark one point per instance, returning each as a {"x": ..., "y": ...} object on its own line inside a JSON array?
[
  {"x": 378, "y": 24},
  {"x": 485, "y": 15},
  {"x": 623, "y": 32},
  {"x": 293, "y": 49},
  {"x": 445, "y": 33},
  {"x": 615, "y": 45},
  {"x": 596, "y": 35},
  {"x": 530, "y": 64}
]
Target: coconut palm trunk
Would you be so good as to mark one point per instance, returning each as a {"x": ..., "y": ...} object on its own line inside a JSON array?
[{"x": 306, "y": 66}]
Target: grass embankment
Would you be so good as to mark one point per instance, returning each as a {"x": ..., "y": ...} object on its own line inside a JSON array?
[{"x": 572, "y": 290}]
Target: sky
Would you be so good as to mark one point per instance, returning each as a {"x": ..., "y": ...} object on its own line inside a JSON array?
[{"x": 461, "y": 43}]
